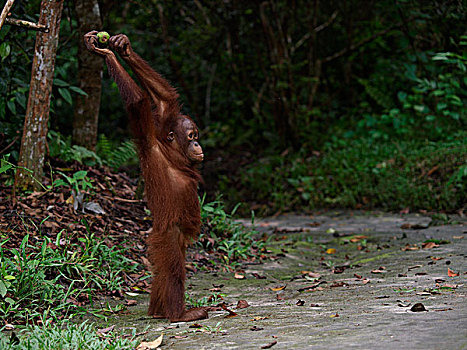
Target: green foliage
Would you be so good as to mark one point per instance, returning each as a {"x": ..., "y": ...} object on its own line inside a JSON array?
[
  {"x": 61, "y": 147},
  {"x": 69, "y": 337},
  {"x": 118, "y": 156},
  {"x": 79, "y": 181},
  {"x": 223, "y": 235},
  {"x": 362, "y": 173},
  {"x": 37, "y": 281},
  {"x": 213, "y": 299}
]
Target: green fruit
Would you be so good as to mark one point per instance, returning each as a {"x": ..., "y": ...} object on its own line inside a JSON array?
[{"x": 103, "y": 37}]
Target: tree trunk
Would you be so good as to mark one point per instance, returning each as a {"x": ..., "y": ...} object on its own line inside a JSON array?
[
  {"x": 86, "y": 111},
  {"x": 37, "y": 112}
]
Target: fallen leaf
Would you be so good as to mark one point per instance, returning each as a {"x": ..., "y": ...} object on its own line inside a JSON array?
[
  {"x": 452, "y": 273},
  {"x": 151, "y": 345},
  {"x": 278, "y": 297},
  {"x": 231, "y": 313},
  {"x": 258, "y": 276},
  {"x": 436, "y": 258},
  {"x": 311, "y": 274},
  {"x": 259, "y": 318},
  {"x": 357, "y": 276},
  {"x": 409, "y": 247},
  {"x": 418, "y": 307},
  {"x": 331, "y": 251},
  {"x": 255, "y": 329},
  {"x": 338, "y": 284},
  {"x": 358, "y": 238},
  {"x": 276, "y": 289},
  {"x": 334, "y": 315},
  {"x": 404, "y": 211},
  {"x": 429, "y": 245},
  {"x": 414, "y": 267},
  {"x": 339, "y": 269},
  {"x": 195, "y": 325},
  {"x": 131, "y": 302},
  {"x": 106, "y": 330},
  {"x": 300, "y": 302},
  {"x": 270, "y": 345},
  {"x": 242, "y": 304},
  {"x": 313, "y": 286},
  {"x": 239, "y": 276},
  {"x": 378, "y": 271},
  {"x": 458, "y": 237}
]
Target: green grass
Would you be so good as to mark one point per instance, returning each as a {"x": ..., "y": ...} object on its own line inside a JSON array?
[
  {"x": 225, "y": 237},
  {"x": 49, "y": 279},
  {"x": 68, "y": 337}
]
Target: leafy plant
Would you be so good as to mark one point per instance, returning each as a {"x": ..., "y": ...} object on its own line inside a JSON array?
[
  {"x": 222, "y": 234},
  {"x": 61, "y": 147},
  {"x": 70, "y": 336},
  {"x": 118, "y": 156},
  {"x": 39, "y": 280},
  {"x": 213, "y": 299}
]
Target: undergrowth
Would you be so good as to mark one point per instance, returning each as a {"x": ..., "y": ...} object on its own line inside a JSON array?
[
  {"x": 231, "y": 240},
  {"x": 360, "y": 173},
  {"x": 69, "y": 337},
  {"x": 43, "y": 278}
]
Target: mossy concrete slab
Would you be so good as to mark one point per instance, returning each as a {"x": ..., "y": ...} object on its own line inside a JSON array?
[{"x": 362, "y": 299}]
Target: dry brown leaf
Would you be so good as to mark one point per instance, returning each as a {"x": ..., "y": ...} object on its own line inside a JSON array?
[
  {"x": 239, "y": 276},
  {"x": 452, "y": 273},
  {"x": 311, "y": 274},
  {"x": 429, "y": 245},
  {"x": 242, "y": 304},
  {"x": 270, "y": 345},
  {"x": 106, "y": 330},
  {"x": 276, "y": 289},
  {"x": 150, "y": 345},
  {"x": 358, "y": 238},
  {"x": 410, "y": 247},
  {"x": 259, "y": 318}
]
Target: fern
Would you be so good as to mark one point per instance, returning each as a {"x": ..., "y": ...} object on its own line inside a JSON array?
[
  {"x": 104, "y": 146},
  {"x": 115, "y": 157},
  {"x": 122, "y": 154}
]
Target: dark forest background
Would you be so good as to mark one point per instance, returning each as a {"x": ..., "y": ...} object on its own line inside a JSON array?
[{"x": 302, "y": 104}]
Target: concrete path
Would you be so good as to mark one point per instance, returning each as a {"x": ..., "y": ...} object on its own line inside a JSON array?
[{"x": 344, "y": 280}]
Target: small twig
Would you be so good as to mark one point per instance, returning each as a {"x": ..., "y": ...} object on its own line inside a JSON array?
[
  {"x": 11, "y": 144},
  {"x": 122, "y": 199},
  {"x": 315, "y": 30},
  {"x": 5, "y": 11},
  {"x": 27, "y": 24},
  {"x": 360, "y": 43}
]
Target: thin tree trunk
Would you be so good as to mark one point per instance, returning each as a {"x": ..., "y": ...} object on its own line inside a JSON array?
[
  {"x": 86, "y": 111},
  {"x": 34, "y": 140}
]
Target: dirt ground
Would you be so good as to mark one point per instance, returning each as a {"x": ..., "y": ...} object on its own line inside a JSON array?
[{"x": 343, "y": 280}]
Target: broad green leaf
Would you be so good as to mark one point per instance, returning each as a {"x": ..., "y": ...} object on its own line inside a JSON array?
[
  {"x": 11, "y": 106},
  {"x": 78, "y": 90},
  {"x": 5, "y": 50},
  {"x": 66, "y": 95},
  {"x": 60, "y": 82},
  {"x": 2, "y": 289}
]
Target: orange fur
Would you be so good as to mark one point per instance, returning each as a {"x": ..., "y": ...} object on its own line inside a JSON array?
[{"x": 171, "y": 180}]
